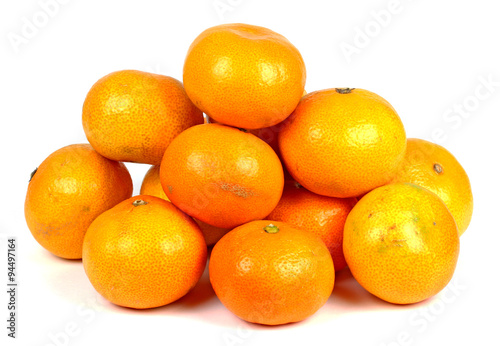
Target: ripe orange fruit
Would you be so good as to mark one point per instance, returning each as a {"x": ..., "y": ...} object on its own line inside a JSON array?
[
  {"x": 133, "y": 115},
  {"x": 71, "y": 187},
  {"x": 321, "y": 215},
  {"x": 211, "y": 233},
  {"x": 144, "y": 253},
  {"x": 401, "y": 243},
  {"x": 244, "y": 75},
  {"x": 221, "y": 175},
  {"x": 342, "y": 142},
  {"x": 268, "y": 272},
  {"x": 270, "y": 134},
  {"x": 151, "y": 186},
  {"x": 435, "y": 168}
]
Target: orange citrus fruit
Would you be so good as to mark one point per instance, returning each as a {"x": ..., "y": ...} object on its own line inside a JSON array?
[
  {"x": 268, "y": 272},
  {"x": 401, "y": 243},
  {"x": 244, "y": 75},
  {"x": 69, "y": 189},
  {"x": 144, "y": 253},
  {"x": 212, "y": 234},
  {"x": 221, "y": 175},
  {"x": 270, "y": 134},
  {"x": 435, "y": 168},
  {"x": 151, "y": 186},
  {"x": 342, "y": 142},
  {"x": 133, "y": 115},
  {"x": 321, "y": 215}
]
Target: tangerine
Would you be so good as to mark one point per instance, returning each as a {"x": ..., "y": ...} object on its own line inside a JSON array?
[
  {"x": 69, "y": 189},
  {"x": 144, "y": 253},
  {"x": 342, "y": 142},
  {"x": 401, "y": 243},
  {"x": 133, "y": 115},
  {"x": 268, "y": 272},
  {"x": 244, "y": 75},
  {"x": 221, "y": 175}
]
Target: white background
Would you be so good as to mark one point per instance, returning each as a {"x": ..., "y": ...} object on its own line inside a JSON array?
[{"x": 427, "y": 58}]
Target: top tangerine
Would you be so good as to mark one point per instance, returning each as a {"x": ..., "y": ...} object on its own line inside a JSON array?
[{"x": 244, "y": 75}]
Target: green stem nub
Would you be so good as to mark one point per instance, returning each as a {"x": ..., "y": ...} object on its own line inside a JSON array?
[
  {"x": 438, "y": 168},
  {"x": 344, "y": 90},
  {"x": 272, "y": 229},
  {"x": 139, "y": 202}
]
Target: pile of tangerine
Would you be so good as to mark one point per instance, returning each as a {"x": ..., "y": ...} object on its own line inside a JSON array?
[{"x": 285, "y": 187}]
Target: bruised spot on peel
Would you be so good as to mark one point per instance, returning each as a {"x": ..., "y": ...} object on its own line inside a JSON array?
[
  {"x": 398, "y": 242},
  {"x": 236, "y": 189}
]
